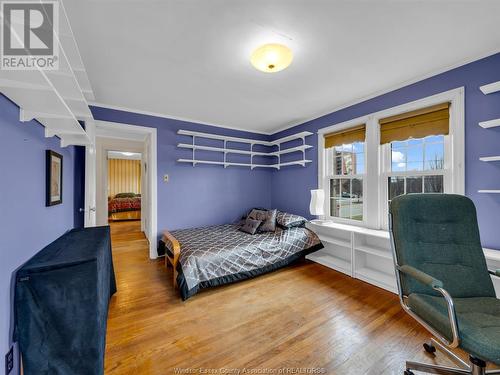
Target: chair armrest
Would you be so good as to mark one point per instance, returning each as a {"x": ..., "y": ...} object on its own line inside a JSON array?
[
  {"x": 437, "y": 285},
  {"x": 176, "y": 247},
  {"x": 421, "y": 276},
  {"x": 495, "y": 273}
]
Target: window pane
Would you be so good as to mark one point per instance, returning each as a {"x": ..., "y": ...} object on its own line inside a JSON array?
[
  {"x": 414, "y": 166},
  {"x": 434, "y": 156},
  {"x": 346, "y": 198},
  {"x": 434, "y": 138},
  {"x": 357, "y": 199},
  {"x": 414, "y": 141},
  {"x": 337, "y": 168},
  {"x": 413, "y": 185},
  {"x": 347, "y": 148},
  {"x": 345, "y": 209},
  {"x": 348, "y": 158},
  {"x": 360, "y": 164},
  {"x": 335, "y": 197},
  {"x": 415, "y": 157},
  {"x": 345, "y": 186},
  {"x": 334, "y": 207},
  {"x": 398, "y": 159},
  {"x": 398, "y": 144},
  {"x": 433, "y": 184},
  {"x": 335, "y": 188},
  {"x": 396, "y": 186},
  {"x": 358, "y": 147}
]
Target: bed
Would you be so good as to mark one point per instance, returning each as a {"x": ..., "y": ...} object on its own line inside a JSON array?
[
  {"x": 222, "y": 254},
  {"x": 124, "y": 206}
]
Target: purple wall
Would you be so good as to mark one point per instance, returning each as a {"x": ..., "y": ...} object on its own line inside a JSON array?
[
  {"x": 290, "y": 187},
  {"x": 26, "y": 225},
  {"x": 201, "y": 195}
]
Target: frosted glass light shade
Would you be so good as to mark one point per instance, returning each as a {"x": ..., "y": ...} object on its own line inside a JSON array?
[
  {"x": 271, "y": 58},
  {"x": 317, "y": 205}
]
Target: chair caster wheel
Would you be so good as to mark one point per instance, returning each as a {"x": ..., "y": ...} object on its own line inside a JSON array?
[
  {"x": 408, "y": 372},
  {"x": 430, "y": 348}
]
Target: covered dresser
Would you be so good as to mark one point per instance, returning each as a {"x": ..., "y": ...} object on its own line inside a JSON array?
[{"x": 61, "y": 304}]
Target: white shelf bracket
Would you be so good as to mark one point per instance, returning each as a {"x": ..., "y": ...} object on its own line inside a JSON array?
[
  {"x": 26, "y": 116},
  {"x": 251, "y": 156},
  {"x": 225, "y": 153},
  {"x": 193, "y": 150},
  {"x": 279, "y": 155},
  {"x": 304, "y": 151},
  {"x": 49, "y": 133}
]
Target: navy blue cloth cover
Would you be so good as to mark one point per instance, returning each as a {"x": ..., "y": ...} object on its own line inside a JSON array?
[{"x": 61, "y": 304}]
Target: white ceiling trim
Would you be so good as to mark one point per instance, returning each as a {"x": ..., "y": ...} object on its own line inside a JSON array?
[
  {"x": 162, "y": 115},
  {"x": 392, "y": 88}
]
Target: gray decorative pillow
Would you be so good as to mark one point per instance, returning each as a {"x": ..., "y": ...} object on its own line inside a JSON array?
[
  {"x": 250, "y": 226},
  {"x": 269, "y": 224},
  {"x": 286, "y": 220},
  {"x": 268, "y": 218},
  {"x": 258, "y": 214}
]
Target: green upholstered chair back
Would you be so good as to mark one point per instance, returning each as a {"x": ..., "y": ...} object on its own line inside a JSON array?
[{"x": 438, "y": 234}]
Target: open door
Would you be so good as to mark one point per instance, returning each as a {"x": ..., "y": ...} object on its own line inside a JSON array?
[{"x": 90, "y": 177}]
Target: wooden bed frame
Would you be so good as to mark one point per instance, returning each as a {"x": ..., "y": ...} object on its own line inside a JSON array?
[{"x": 167, "y": 236}]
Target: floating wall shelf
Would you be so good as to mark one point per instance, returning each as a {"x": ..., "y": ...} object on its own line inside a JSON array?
[
  {"x": 490, "y": 88},
  {"x": 276, "y": 162},
  {"x": 490, "y": 124},
  {"x": 490, "y": 158}
]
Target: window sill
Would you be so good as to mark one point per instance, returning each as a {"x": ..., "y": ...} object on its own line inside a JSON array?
[{"x": 348, "y": 227}]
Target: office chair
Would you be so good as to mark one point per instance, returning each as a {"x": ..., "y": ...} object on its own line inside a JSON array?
[{"x": 443, "y": 281}]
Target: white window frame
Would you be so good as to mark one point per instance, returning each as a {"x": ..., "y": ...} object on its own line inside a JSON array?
[
  {"x": 386, "y": 172},
  {"x": 352, "y": 176},
  {"x": 375, "y": 213},
  {"x": 324, "y": 177}
]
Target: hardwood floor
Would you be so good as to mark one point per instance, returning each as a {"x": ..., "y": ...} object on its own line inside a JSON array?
[{"x": 303, "y": 316}]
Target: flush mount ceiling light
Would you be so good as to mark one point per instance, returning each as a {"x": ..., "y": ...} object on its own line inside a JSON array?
[{"x": 271, "y": 58}]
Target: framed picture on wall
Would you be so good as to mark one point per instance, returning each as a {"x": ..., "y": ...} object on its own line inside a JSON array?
[{"x": 54, "y": 178}]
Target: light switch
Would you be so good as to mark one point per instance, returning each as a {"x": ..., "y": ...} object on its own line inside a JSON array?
[{"x": 165, "y": 178}]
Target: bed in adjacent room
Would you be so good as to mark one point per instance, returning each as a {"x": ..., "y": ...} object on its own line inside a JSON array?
[
  {"x": 223, "y": 254},
  {"x": 124, "y": 206}
]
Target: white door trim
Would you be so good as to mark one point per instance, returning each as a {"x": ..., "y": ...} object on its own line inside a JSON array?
[
  {"x": 148, "y": 135},
  {"x": 90, "y": 177}
]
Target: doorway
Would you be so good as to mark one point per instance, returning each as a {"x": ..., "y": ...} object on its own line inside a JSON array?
[
  {"x": 132, "y": 142},
  {"x": 124, "y": 185}
]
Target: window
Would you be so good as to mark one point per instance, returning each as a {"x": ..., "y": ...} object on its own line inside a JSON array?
[
  {"x": 413, "y": 148},
  {"x": 415, "y": 153},
  {"x": 417, "y": 166},
  {"x": 345, "y": 169}
]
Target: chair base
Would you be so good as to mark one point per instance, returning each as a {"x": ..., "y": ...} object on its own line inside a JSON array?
[{"x": 474, "y": 367}]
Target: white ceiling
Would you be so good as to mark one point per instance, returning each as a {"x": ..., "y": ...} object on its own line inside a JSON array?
[{"x": 189, "y": 59}]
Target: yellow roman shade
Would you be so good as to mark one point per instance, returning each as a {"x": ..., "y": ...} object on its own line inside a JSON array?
[
  {"x": 356, "y": 134},
  {"x": 416, "y": 124}
]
